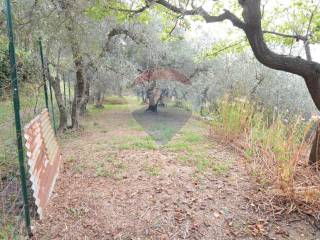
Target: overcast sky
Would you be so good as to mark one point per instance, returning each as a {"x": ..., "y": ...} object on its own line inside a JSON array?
[{"x": 212, "y": 32}]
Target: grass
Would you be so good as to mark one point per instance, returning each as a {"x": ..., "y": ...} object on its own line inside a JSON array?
[
  {"x": 138, "y": 143},
  {"x": 112, "y": 169},
  {"x": 8, "y": 231},
  {"x": 133, "y": 125},
  {"x": 192, "y": 148},
  {"x": 10, "y": 222},
  {"x": 184, "y": 142},
  {"x": 162, "y": 132},
  {"x": 115, "y": 100},
  {"x": 275, "y": 147},
  {"x": 102, "y": 171},
  {"x": 152, "y": 170},
  {"x": 179, "y": 146},
  {"x": 191, "y": 137}
]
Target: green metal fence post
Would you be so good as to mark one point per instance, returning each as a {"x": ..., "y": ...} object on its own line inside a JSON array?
[
  {"x": 16, "y": 103},
  {"x": 51, "y": 101},
  {"x": 43, "y": 74}
]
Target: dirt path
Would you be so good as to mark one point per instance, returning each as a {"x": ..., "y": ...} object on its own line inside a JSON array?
[{"x": 117, "y": 183}]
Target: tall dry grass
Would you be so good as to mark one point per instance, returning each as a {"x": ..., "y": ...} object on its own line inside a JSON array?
[{"x": 275, "y": 148}]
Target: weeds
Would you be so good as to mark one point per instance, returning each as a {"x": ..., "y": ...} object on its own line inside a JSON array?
[{"x": 275, "y": 147}]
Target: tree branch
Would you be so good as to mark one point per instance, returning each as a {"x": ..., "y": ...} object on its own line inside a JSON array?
[
  {"x": 227, "y": 15},
  {"x": 297, "y": 37},
  {"x": 225, "y": 48},
  {"x": 114, "y": 32}
]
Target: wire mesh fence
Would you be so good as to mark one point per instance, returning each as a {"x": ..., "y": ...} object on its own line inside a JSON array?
[{"x": 32, "y": 80}]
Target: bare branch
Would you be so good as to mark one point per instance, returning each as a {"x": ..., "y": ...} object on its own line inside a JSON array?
[
  {"x": 297, "y": 37},
  {"x": 227, "y": 15},
  {"x": 175, "y": 25},
  {"x": 225, "y": 48}
]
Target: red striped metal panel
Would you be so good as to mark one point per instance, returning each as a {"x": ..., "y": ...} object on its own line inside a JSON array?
[{"x": 44, "y": 159}]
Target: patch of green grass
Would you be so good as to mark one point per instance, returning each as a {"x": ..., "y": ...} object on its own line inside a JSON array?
[
  {"x": 115, "y": 107},
  {"x": 79, "y": 168},
  {"x": 132, "y": 124},
  {"x": 8, "y": 231},
  {"x": 138, "y": 143},
  {"x": 185, "y": 158},
  {"x": 152, "y": 170},
  {"x": 70, "y": 158},
  {"x": 112, "y": 170},
  {"x": 187, "y": 141},
  {"x": 179, "y": 146},
  {"x": 70, "y": 134},
  {"x": 221, "y": 168},
  {"x": 191, "y": 137},
  {"x": 203, "y": 163},
  {"x": 162, "y": 132},
  {"x": 76, "y": 212},
  {"x": 6, "y": 110},
  {"x": 102, "y": 171},
  {"x": 115, "y": 100},
  {"x": 92, "y": 110}
]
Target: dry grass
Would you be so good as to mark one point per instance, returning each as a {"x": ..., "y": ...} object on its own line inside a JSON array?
[{"x": 276, "y": 151}]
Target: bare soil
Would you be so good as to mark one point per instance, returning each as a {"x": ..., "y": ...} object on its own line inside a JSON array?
[{"x": 117, "y": 183}]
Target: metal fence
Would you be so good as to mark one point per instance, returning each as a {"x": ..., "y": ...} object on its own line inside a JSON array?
[{"x": 20, "y": 101}]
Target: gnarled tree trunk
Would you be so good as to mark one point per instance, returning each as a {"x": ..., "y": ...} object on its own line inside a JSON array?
[
  {"x": 80, "y": 85},
  {"x": 152, "y": 97},
  {"x": 63, "y": 123}
]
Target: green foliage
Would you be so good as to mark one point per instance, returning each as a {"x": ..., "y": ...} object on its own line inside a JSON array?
[
  {"x": 293, "y": 18},
  {"x": 121, "y": 11},
  {"x": 26, "y": 66},
  {"x": 4, "y": 67}
]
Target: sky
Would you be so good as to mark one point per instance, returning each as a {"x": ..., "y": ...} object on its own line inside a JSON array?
[{"x": 209, "y": 33}]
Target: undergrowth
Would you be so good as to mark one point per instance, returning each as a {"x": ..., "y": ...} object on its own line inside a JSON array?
[{"x": 276, "y": 149}]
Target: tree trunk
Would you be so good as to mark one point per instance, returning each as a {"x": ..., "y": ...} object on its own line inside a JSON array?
[
  {"x": 79, "y": 87},
  {"x": 152, "y": 96},
  {"x": 152, "y": 101},
  {"x": 63, "y": 123},
  {"x": 98, "y": 99},
  {"x": 314, "y": 155},
  {"x": 85, "y": 99},
  {"x": 80, "y": 84},
  {"x": 120, "y": 89},
  {"x": 308, "y": 70}
]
